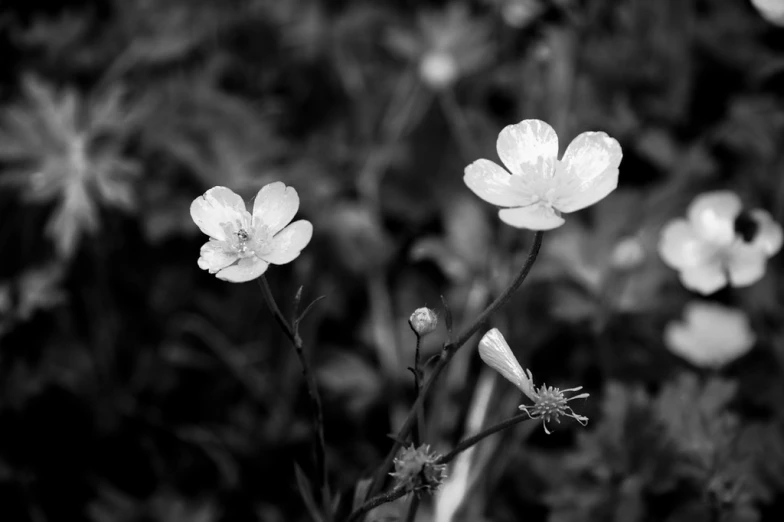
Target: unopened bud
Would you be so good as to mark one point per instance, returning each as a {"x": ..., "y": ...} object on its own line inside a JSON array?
[{"x": 423, "y": 321}]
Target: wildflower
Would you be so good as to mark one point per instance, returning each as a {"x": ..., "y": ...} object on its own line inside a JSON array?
[
  {"x": 771, "y": 10},
  {"x": 417, "y": 469},
  {"x": 719, "y": 242},
  {"x": 549, "y": 403},
  {"x": 423, "y": 321},
  {"x": 711, "y": 335},
  {"x": 540, "y": 186},
  {"x": 241, "y": 245}
]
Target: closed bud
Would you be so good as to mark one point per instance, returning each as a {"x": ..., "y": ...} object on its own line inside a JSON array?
[{"x": 423, "y": 321}]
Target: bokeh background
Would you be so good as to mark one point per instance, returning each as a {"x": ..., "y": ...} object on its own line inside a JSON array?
[{"x": 136, "y": 387}]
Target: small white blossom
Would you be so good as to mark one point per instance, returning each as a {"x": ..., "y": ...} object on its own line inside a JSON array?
[{"x": 538, "y": 187}]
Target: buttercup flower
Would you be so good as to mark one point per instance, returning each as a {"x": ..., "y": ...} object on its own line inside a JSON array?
[
  {"x": 549, "y": 404},
  {"x": 711, "y": 335},
  {"x": 416, "y": 469},
  {"x": 242, "y": 245},
  {"x": 719, "y": 242},
  {"x": 540, "y": 186}
]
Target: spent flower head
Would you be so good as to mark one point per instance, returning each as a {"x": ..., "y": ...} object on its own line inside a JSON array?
[
  {"x": 719, "y": 242},
  {"x": 242, "y": 245},
  {"x": 417, "y": 469},
  {"x": 549, "y": 403},
  {"x": 711, "y": 335},
  {"x": 538, "y": 187}
]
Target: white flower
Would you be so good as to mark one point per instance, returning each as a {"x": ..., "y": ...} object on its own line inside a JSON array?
[
  {"x": 771, "y": 10},
  {"x": 719, "y": 243},
  {"x": 438, "y": 69},
  {"x": 711, "y": 335},
  {"x": 241, "y": 245},
  {"x": 549, "y": 403},
  {"x": 540, "y": 186}
]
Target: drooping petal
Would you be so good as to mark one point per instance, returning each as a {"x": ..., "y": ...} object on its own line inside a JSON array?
[
  {"x": 745, "y": 265},
  {"x": 587, "y": 172},
  {"x": 496, "y": 186},
  {"x": 275, "y": 206},
  {"x": 712, "y": 214},
  {"x": 532, "y": 217},
  {"x": 289, "y": 242},
  {"x": 529, "y": 147},
  {"x": 681, "y": 248},
  {"x": 246, "y": 270},
  {"x": 218, "y": 205},
  {"x": 769, "y": 234},
  {"x": 705, "y": 279},
  {"x": 495, "y": 352},
  {"x": 216, "y": 255}
]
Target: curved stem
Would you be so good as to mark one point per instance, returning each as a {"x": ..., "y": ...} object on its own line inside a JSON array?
[
  {"x": 474, "y": 439},
  {"x": 446, "y": 355},
  {"x": 315, "y": 399},
  {"x": 376, "y": 501}
]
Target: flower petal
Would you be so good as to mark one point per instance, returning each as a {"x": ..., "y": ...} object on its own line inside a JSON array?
[
  {"x": 215, "y": 255},
  {"x": 528, "y": 147},
  {"x": 587, "y": 172},
  {"x": 275, "y": 206},
  {"x": 246, "y": 270},
  {"x": 289, "y": 242},
  {"x": 681, "y": 248},
  {"x": 218, "y": 205},
  {"x": 532, "y": 217},
  {"x": 495, "y": 185},
  {"x": 496, "y": 353},
  {"x": 705, "y": 279},
  {"x": 769, "y": 235},
  {"x": 712, "y": 214},
  {"x": 746, "y": 265}
]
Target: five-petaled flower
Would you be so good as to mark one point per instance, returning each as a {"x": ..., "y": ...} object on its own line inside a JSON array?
[
  {"x": 711, "y": 335},
  {"x": 719, "y": 242},
  {"x": 549, "y": 404},
  {"x": 540, "y": 186},
  {"x": 242, "y": 245}
]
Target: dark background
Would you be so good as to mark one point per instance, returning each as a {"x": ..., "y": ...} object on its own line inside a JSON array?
[{"x": 135, "y": 387}]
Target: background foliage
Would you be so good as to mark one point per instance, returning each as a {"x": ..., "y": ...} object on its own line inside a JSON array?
[{"x": 134, "y": 386}]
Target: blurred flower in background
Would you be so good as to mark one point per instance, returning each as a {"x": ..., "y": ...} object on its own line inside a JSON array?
[
  {"x": 720, "y": 242},
  {"x": 447, "y": 45},
  {"x": 710, "y": 335},
  {"x": 540, "y": 186},
  {"x": 518, "y": 13},
  {"x": 241, "y": 245},
  {"x": 66, "y": 148},
  {"x": 771, "y": 10}
]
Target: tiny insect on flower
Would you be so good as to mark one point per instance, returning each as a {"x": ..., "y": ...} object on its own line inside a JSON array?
[
  {"x": 416, "y": 469},
  {"x": 538, "y": 187},
  {"x": 549, "y": 403},
  {"x": 243, "y": 245}
]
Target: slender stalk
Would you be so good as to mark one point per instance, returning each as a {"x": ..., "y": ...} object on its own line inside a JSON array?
[
  {"x": 447, "y": 353},
  {"x": 419, "y": 433},
  {"x": 376, "y": 501},
  {"x": 315, "y": 399}
]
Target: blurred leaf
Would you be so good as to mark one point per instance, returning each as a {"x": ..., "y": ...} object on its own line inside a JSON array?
[{"x": 303, "y": 484}]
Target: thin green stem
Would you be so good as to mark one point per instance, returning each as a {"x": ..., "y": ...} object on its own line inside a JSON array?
[
  {"x": 447, "y": 353},
  {"x": 315, "y": 399},
  {"x": 419, "y": 433},
  {"x": 376, "y": 501},
  {"x": 474, "y": 439}
]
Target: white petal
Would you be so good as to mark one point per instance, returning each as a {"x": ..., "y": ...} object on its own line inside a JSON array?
[
  {"x": 529, "y": 147},
  {"x": 705, "y": 279},
  {"x": 712, "y": 214},
  {"x": 681, "y": 248},
  {"x": 746, "y": 265},
  {"x": 769, "y": 236},
  {"x": 216, "y": 255},
  {"x": 532, "y": 217},
  {"x": 289, "y": 242},
  {"x": 495, "y": 352},
  {"x": 217, "y": 206},
  {"x": 246, "y": 270},
  {"x": 587, "y": 172},
  {"x": 496, "y": 186},
  {"x": 275, "y": 206}
]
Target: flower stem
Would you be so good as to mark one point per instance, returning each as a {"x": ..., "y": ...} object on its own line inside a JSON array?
[
  {"x": 376, "y": 501},
  {"x": 419, "y": 433},
  {"x": 292, "y": 332},
  {"x": 449, "y": 350}
]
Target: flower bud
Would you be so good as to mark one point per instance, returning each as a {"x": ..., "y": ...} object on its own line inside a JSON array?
[{"x": 423, "y": 321}]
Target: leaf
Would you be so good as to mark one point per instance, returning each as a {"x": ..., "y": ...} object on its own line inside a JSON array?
[{"x": 307, "y": 494}]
